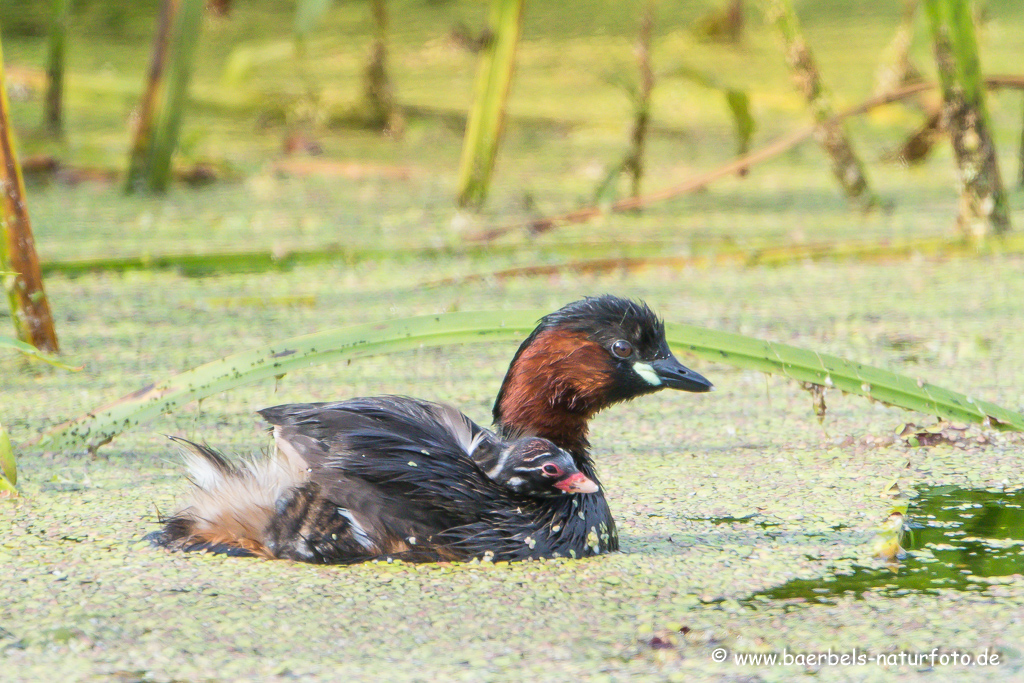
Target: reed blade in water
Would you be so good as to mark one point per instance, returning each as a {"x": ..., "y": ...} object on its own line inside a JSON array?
[
  {"x": 8, "y": 469},
  {"x": 101, "y": 425}
]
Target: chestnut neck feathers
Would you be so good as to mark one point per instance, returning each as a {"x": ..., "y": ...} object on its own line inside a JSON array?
[
  {"x": 565, "y": 372},
  {"x": 555, "y": 385}
]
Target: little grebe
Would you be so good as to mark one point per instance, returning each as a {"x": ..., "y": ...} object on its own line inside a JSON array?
[{"x": 396, "y": 477}]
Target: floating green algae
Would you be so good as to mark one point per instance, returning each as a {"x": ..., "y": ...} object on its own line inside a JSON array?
[{"x": 958, "y": 539}]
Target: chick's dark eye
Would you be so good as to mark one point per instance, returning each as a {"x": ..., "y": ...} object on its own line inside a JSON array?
[
  {"x": 551, "y": 470},
  {"x": 622, "y": 349}
]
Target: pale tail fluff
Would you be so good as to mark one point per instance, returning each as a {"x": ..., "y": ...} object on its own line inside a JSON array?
[{"x": 229, "y": 506}]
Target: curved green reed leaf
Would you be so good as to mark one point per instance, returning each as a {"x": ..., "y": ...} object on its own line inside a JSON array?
[
  {"x": 33, "y": 352},
  {"x": 834, "y": 372},
  {"x": 100, "y": 426}
]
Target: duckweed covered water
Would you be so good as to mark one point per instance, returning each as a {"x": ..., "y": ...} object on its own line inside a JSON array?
[
  {"x": 960, "y": 539},
  {"x": 717, "y": 499}
]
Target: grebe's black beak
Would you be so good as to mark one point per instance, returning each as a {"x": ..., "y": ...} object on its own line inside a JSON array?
[{"x": 675, "y": 375}]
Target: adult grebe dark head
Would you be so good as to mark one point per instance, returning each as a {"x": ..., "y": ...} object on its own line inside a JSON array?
[{"x": 582, "y": 358}]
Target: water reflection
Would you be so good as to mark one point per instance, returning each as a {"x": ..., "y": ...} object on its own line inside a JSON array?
[{"x": 957, "y": 539}]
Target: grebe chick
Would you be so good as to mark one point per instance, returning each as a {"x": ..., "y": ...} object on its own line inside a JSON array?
[{"x": 427, "y": 469}]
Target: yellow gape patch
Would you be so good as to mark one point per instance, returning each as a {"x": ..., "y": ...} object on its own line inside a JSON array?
[{"x": 648, "y": 373}]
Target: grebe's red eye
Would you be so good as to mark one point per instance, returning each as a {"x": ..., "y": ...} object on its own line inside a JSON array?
[
  {"x": 622, "y": 349},
  {"x": 551, "y": 470}
]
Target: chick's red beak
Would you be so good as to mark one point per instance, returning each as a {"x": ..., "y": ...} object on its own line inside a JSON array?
[{"x": 577, "y": 483}]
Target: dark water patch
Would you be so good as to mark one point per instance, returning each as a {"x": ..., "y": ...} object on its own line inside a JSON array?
[{"x": 959, "y": 539}]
